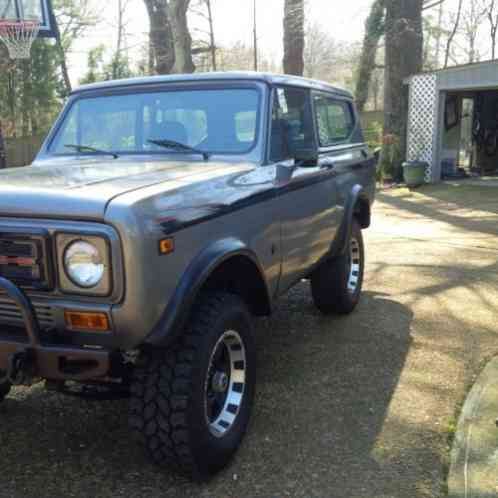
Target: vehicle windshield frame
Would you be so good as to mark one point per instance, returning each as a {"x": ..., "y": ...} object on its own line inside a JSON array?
[{"x": 130, "y": 90}]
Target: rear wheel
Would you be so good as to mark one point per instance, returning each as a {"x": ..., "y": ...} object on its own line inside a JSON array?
[
  {"x": 336, "y": 285},
  {"x": 191, "y": 403}
]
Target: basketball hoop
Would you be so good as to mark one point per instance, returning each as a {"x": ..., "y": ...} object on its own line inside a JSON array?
[{"x": 19, "y": 36}]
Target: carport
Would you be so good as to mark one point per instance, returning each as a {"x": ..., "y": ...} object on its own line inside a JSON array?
[{"x": 453, "y": 121}]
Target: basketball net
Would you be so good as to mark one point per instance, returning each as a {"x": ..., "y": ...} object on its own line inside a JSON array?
[{"x": 19, "y": 36}]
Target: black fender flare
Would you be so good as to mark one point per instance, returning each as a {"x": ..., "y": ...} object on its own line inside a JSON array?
[
  {"x": 174, "y": 318},
  {"x": 356, "y": 195}
]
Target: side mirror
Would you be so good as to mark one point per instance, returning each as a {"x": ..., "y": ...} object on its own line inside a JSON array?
[{"x": 306, "y": 158}]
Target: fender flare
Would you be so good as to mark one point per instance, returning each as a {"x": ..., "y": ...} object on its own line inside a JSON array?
[
  {"x": 178, "y": 310},
  {"x": 357, "y": 194}
]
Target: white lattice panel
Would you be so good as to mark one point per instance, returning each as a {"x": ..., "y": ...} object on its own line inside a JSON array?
[{"x": 422, "y": 120}]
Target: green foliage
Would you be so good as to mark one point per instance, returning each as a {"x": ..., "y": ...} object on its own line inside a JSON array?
[
  {"x": 375, "y": 24},
  {"x": 99, "y": 70},
  {"x": 32, "y": 91},
  {"x": 73, "y": 18},
  {"x": 29, "y": 91},
  {"x": 373, "y": 134},
  {"x": 375, "y": 27},
  {"x": 95, "y": 63}
]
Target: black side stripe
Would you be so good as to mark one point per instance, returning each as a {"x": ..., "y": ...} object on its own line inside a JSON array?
[{"x": 171, "y": 227}]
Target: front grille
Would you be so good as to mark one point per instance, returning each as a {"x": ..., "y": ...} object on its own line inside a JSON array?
[
  {"x": 10, "y": 314},
  {"x": 23, "y": 260}
]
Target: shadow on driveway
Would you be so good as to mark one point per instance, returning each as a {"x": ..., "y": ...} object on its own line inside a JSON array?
[
  {"x": 325, "y": 386},
  {"x": 451, "y": 204}
]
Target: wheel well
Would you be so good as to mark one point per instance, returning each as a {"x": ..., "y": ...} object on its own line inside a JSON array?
[
  {"x": 241, "y": 276},
  {"x": 362, "y": 212}
]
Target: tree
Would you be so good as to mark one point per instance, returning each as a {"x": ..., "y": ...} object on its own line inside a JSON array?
[
  {"x": 374, "y": 30},
  {"x": 294, "y": 37},
  {"x": 492, "y": 16},
  {"x": 119, "y": 59},
  {"x": 162, "y": 53},
  {"x": 29, "y": 90},
  {"x": 472, "y": 19},
  {"x": 100, "y": 70},
  {"x": 182, "y": 41},
  {"x": 72, "y": 19},
  {"x": 239, "y": 57},
  {"x": 404, "y": 49},
  {"x": 320, "y": 52},
  {"x": 204, "y": 50},
  {"x": 376, "y": 87},
  {"x": 439, "y": 34},
  {"x": 453, "y": 32},
  {"x": 95, "y": 64}
]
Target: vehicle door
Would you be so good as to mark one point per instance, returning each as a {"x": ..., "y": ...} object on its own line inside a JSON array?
[
  {"x": 306, "y": 191},
  {"x": 341, "y": 144}
]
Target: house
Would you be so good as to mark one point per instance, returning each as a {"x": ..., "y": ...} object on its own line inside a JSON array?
[{"x": 453, "y": 120}]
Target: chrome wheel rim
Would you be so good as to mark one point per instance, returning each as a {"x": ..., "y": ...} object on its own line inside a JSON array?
[
  {"x": 354, "y": 265},
  {"x": 225, "y": 383}
]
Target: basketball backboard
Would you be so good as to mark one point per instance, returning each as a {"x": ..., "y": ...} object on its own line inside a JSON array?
[{"x": 30, "y": 10}]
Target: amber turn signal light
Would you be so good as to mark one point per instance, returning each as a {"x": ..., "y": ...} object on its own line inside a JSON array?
[
  {"x": 167, "y": 246},
  {"x": 96, "y": 322}
]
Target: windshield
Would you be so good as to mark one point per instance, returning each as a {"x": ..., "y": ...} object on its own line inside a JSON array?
[{"x": 213, "y": 121}]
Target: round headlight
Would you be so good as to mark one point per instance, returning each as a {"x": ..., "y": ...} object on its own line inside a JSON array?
[{"x": 84, "y": 264}]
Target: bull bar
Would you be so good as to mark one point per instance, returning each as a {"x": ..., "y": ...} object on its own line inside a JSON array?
[{"x": 22, "y": 362}]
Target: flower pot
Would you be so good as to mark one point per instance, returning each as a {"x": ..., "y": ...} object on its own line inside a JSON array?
[{"x": 414, "y": 173}]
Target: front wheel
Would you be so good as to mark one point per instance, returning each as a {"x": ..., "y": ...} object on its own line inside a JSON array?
[
  {"x": 191, "y": 403},
  {"x": 337, "y": 283}
]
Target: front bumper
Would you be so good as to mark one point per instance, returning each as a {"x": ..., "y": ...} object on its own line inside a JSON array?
[{"x": 26, "y": 358}]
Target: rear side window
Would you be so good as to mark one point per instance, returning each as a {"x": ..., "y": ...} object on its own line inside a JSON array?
[{"x": 335, "y": 120}]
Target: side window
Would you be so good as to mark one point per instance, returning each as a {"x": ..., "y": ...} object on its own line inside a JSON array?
[
  {"x": 292, "y": 123},
  {"x": 335, "y": 120}
]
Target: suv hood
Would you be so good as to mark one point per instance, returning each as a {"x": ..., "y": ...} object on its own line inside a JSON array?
[{"x": 82, "y": 188}]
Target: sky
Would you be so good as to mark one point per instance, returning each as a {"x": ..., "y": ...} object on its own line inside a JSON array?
[{"x": 233, "y": 22}]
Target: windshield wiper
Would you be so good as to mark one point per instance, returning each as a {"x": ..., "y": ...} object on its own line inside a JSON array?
[
  {"x": 178, "y": 146},
  {"x": 89, "y": 148}
]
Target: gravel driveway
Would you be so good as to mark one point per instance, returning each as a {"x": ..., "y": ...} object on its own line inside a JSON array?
[{"x": 348, "y": 407}]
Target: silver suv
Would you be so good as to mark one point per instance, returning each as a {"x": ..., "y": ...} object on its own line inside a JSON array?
[{"x": 160, "y": 216}]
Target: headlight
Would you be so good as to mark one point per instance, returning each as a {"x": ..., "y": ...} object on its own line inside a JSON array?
[{"x": 84, "y": 264}]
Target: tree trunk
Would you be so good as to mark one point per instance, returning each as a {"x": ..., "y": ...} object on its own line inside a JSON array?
[
  {"x": 374, "y": 30},
  {"x": 404, "y": 50},
  {"x": 182, "y": 41},
  {"x": 117, "y": 56},
  {"x": 452, "y": 34},
  {"x": 3, "y": 152},
  {"x": 439, "y": 34},
  {"x": 294, "y": 37},
  {"x": 211, "y": 35},
  {"x": 63, "y": 59},
  {"x": 493, "y": 27},
  {"x": 27, "y": 108},
  {"x": 161, "y": 39}
]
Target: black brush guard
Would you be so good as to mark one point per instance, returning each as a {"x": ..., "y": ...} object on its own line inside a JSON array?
[{"x": 23, "y": 362}]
